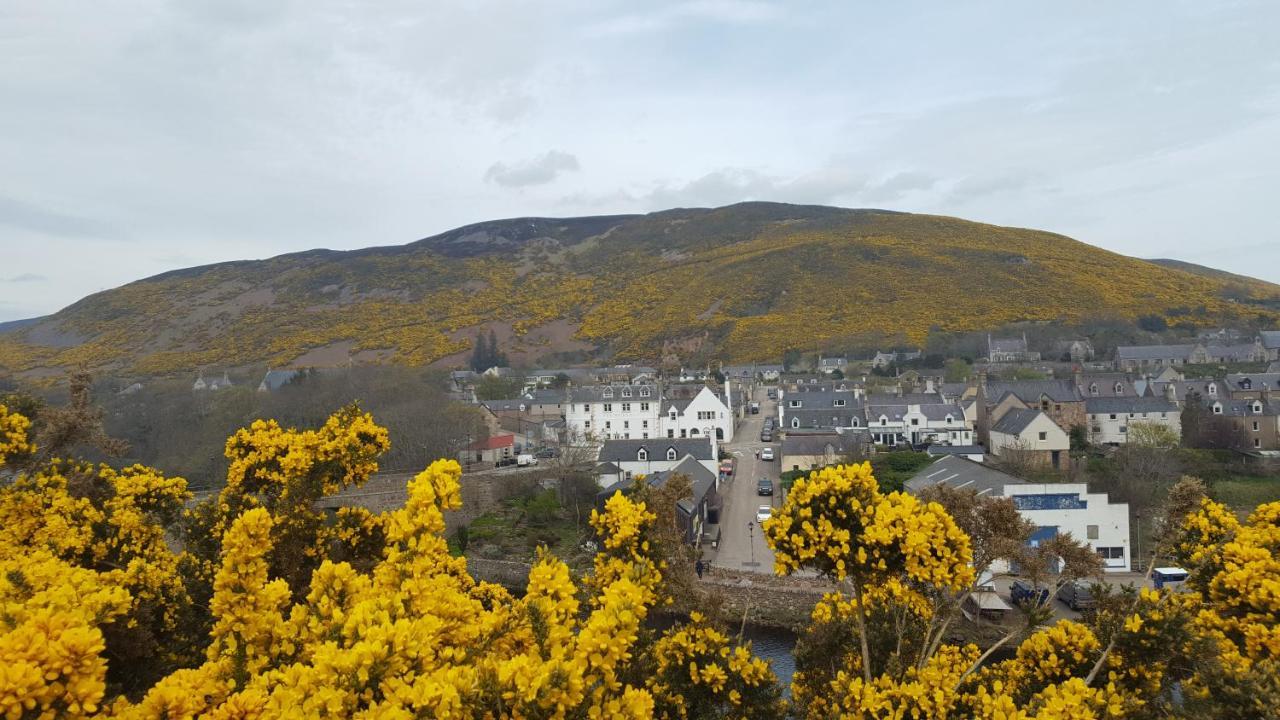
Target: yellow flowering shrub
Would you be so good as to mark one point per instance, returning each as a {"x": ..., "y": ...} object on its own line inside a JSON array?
[
  {"x": 13, "y": 435},
  {"x": 699, "y": 673}
]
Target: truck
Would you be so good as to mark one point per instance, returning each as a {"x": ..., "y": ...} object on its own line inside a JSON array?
[
  {"x": 1173, "y": 578},
  {"x": 526, "y": 460}
]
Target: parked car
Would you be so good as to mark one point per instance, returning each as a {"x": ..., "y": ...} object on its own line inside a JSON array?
[
  {"x": 773, "y": 394},
  {"x": 1023, "y": 592},
  {"x": 726, "y": 467},
  {"x": 763, "y": 512},
  {"x": 766, "y": 454},
  {"x": 755, "y": 408},
  {"x": 525, "y": 459},
  {"x": 764, "y": 487},
  {"x": 1077, "y": 596},
  {"x": 547, "y": 453},
  {"x": 766, "y": 436}
]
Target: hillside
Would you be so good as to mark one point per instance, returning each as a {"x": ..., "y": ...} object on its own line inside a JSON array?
[{"x": 741, "y": 283}]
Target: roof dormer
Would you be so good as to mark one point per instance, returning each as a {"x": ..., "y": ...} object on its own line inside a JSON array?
[
  {"x": 1246, "y": 384},
  {"x": 1119, "y": 388},
  {"x": 671, "y": 453},
  {"x": 608, "y": 392},
  {"x": 626, "y": 392},
  {"x": 642, "y": 454},
  {"x": 1217, "y": 408},
  {"x": 1257, "y": 407},
  {"x": 644, "y": 391}
]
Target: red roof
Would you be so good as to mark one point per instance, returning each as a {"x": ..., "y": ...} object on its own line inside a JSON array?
[{"x": 494, "y": 443}]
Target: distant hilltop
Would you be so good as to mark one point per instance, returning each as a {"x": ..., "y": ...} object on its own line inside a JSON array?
[{"x": 740, "y": 283}]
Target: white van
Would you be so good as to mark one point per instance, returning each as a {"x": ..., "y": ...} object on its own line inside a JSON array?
[{"x": 526, "y": 459}]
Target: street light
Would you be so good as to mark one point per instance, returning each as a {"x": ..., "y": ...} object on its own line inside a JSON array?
[{"x": 751, "y": 540}]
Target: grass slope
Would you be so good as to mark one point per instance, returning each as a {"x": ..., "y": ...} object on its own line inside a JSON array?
[{"x": 742, "y": 282}]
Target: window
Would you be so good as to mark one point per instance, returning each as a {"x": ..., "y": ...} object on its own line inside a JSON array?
[
  {"x": 884, "y": 420},
  {"x": 1091, "y": 532},
  {"x": 1044, "y": 435},
  {"x": 644, "y": 424},
  {"x": 1057, "y": 406},
  {"x": 642, "y": 455},
  {"x": 1213, "y": 389},
  {"x": 1246, "y": 384},
  {"x": 626, "y": 407},
  {"x": 1257, "y": 442},
  {"x": 1257, "y": 408},
  {"x": 608, "y": 425},
  {"x": 855, "y": 422},
  {"x": 838, "y": 403},
  {"x": 671, "y": 453},
  {"x": 586, "y": 424},
  {"x": 644, "y": 392},
  {"x": 671, "y": 433},
  {"x": 626, "y": 392},
  {"x": 1119, "y": 388},
  {"x": 1044, "y": 405},
  {"x": 1124, "y": 429},
  {"x": 794, "y": 404},
  {"x": 608, "y": 407},
  {"x": 626, "y": 424},
  {"x": 915, "y": 421},
  {"x": 1093, "y": 388},
  {"x": 1097, "y": 428},
  {"x": 1111, "y": 553},
  {"x": 1113, "y": 416},
  {"x": 645, "y": 436},
  {"x": 644, "y": 407},
  {"x": 608, "y": 392},
  {"x": 1217, "y": 408},
  {"x": 693, "y": 432},
  {"x": 795, "y": 422}
]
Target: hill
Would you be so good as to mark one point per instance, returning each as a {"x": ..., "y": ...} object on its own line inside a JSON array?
[{"x": 741, "y": 283}]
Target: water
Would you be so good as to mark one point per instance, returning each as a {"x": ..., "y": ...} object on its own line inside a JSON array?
[{"x": 775, "y": 646}]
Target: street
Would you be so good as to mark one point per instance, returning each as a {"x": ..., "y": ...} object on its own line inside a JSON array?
[{"x": 742, "y": 545}]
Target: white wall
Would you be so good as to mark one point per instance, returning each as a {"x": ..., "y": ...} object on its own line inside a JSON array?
[
  {"x": 716, "y": 415},
  {"x": 593, "y": 420},
  {"x": 1110, "y": 520},
  {"x": 1112, "y": 428}
]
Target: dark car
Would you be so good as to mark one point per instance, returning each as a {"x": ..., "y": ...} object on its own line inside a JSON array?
[
  {"x": 1077, "y": 596},
  {"x": 1024, "y": 593},
  {"x": 766, "y": 436},
  {"x": 773, "y": 394},
  {"x": 764, "y": 487},
  {"x": 547, "y": 453}
]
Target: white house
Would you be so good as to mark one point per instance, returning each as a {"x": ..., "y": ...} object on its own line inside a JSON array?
[
  {"x": 628, "y": 411},
  {"x": 1032, "y": 432},
  {"x": 1110, "y": 417},
  {"x": 916, "y": 419},
  {"x": 644, "y": 457},
  {"x": 1057, "y": 508},
  {"x": 1054, "y": 508},
  {"x": 697, "y": 412}
]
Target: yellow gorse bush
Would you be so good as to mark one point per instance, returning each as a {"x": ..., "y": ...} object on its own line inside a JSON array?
[{"x": 87, "y": 576}]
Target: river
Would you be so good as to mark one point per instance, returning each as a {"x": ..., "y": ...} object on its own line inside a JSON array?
[{"x": 775, "y": 646}]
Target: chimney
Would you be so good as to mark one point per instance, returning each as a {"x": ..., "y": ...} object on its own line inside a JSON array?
[
  {"x": 1077, "y": 375},
  {"x": 1265, "y": 396}
]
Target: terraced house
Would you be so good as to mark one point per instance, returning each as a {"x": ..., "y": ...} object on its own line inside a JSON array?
[
  {"x": 1111, "y": 417},
  {"x": 916, "y": 419},
  {"x": 639, "y": 411},
  {"x": 1256, "y": 422}
]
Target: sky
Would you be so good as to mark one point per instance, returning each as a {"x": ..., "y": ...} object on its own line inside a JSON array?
[{"x": 139, "y": 136}]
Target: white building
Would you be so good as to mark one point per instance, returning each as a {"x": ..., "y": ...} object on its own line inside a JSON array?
[
  {"x": 1110, "y": 417},
  {"x": 698, "y": 412},
  {"x": 1058, "y": 508},
  {"x": 595, "y": 413},
  {"x": 916, "y": 419},
  {"x": 644, "y": 457},
  {"x": 1033, "y": 433},
  {"x": 639, "y": 411},
  {"x": 1054, "y": 508}
]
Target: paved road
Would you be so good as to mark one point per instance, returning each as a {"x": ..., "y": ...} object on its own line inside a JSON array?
[{"x": 742, "y": 547}]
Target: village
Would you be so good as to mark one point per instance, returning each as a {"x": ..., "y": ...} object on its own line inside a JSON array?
[{"x": 1017, "y": 427}]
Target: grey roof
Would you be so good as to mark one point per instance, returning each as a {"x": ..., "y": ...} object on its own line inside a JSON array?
[
  {"x": 276, "y": 379},
  {"x": 1274, "y": 367},
  {"x": 813, "y": 399},
  {"x": 1106, "y": 384},
  {"x": 607, "y": 468},
  {"x": 626, "y": 450},
  {"x": 1106, "y": 405},
  {"x": 1030, "y": 391},
  {"x": 1270, "y": 339},
  {"x": 1016, "y": 344},
  {"x": 1256, "y": 381},
  {"x": 703, "y": 479},
  {"x": 595, "y": 393},
  {"x": 1243, "y": 350},
  {"x": 1153, "y": 352},
  {"x": 1015, "y": 421},
  {"x": 817, "y": 443},
  {"x": 956, "y": 450},
  {"x": 955, "y": 389},
  {"x": 1242, "y": 408},
  {"x": 823, "y": 417},
  {"x": 960, "y": 472}
]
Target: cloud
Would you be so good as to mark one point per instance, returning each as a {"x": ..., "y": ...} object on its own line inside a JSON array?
[
  {"x": 833, "y": 183},
  {"x": 731, "y": 12},
  {"x": 538, "y": 171},
  {"x": 33, "y": 218},
  {"x": 26, "y": 278}
]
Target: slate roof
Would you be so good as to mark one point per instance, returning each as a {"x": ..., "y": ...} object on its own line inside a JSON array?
[
  {"x": 1270, "y": 339},
  {"x": 1009, "y": 345},
  {"x": 1153, "y": 352},
  {"x": 1015, "y": 421},
  {"x": 1029, "y": 391},
  {"x": 1107, "y": 384},
  {"x": 1256, "y": 380},
  {"x": 595, "y": 393},
  {"x": 626, "y": 450},
  {"x": 823, "y": 417},
  {"x": 956, "y": 450},
  {"x": 796, "y": 443},
  {"x": 1118, "y": 405},
  {"x": 960, "y": 472},
  {"x": 276, "y": 379},
  {"x": 1244, "y": 408}
]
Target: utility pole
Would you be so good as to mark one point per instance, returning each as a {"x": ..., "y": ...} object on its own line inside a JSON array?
[{"x": 751, "y": 540}]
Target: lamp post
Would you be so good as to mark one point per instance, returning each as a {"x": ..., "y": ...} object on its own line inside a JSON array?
[{"x": 751, "y": 540}]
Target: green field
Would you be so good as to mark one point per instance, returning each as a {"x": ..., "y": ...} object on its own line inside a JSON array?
[{"x": 1244, "y": 493}]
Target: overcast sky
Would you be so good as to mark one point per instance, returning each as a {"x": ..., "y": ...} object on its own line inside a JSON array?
[{"x": 141, "y": 136}]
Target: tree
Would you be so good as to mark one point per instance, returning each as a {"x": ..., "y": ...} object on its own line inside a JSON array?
[
  {"x": 956, "y": 370},
  {"x": 790, "y": 359},
  {"x": 480, "y": 354},
  {"x": 1153, "y": 323},
  {"x": 1156, "y": 436}
]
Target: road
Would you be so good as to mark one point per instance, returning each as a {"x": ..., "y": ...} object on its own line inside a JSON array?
[{"x": 742, "y": 545}]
